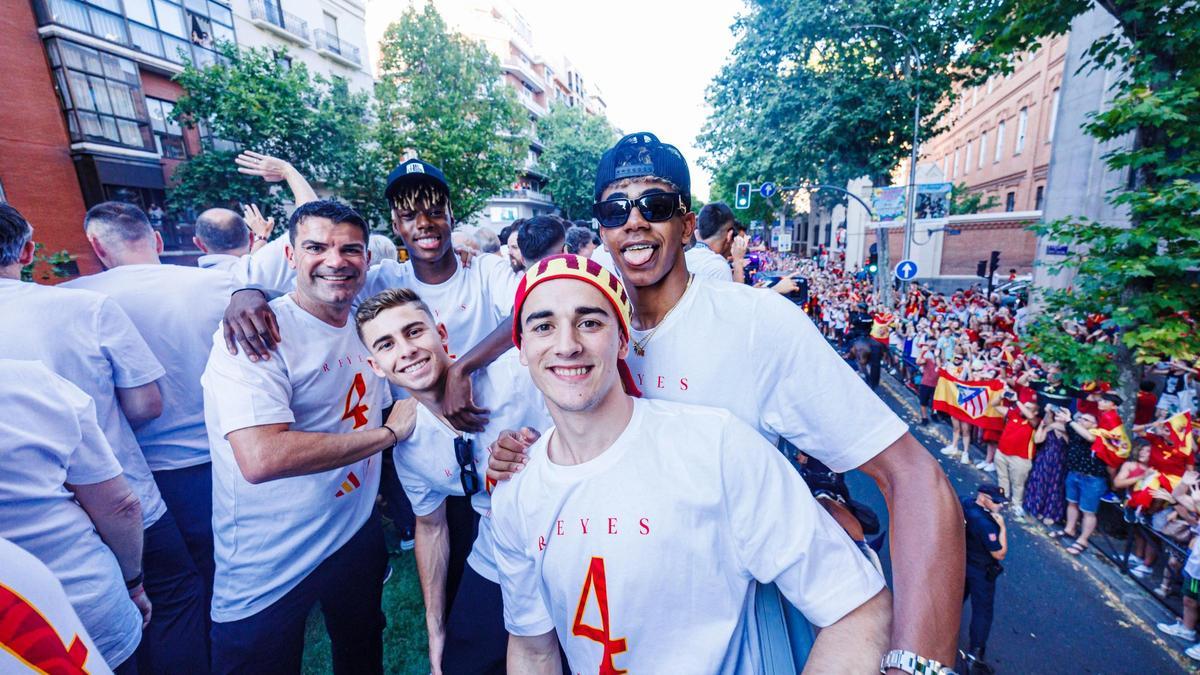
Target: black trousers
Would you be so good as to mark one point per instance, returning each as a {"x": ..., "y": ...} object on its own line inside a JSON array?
[
  {"x": 349, "y": 587},
  {"x": 176, "y": 641},
  {"x": 982, "y": 594},
  {"x": 476, "y": 640}
]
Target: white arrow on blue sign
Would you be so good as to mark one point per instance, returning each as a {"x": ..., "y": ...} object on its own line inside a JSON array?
[
  {"x": 767, "y": 190},
  {"x": 906, "y": 270}
]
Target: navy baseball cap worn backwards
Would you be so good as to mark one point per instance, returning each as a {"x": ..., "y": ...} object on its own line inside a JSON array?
[
  {"x": 411, "y": 172},
  {"x": 642, "y": 154},
  {"x": 994, "y": 492}
]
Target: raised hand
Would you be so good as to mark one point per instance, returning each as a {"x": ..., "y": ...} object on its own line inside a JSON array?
[
  {"x": 271, "y": 169},
  {"x": 260, "y": 226}
]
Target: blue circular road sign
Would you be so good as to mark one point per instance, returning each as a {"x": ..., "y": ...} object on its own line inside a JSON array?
[
  {"x": 767, "y": 190},
  {"x": 906, "y": 270}
]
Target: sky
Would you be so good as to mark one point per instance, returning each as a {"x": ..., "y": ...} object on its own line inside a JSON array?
[{"x": 652, "y": 59}]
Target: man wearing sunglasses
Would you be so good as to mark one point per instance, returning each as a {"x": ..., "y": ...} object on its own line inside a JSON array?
[
  {"x": 776, "y": 373},
  {"x": 437, "y": 463}
]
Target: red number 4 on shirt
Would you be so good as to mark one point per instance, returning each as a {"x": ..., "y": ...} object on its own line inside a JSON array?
[
  {"x": 596, "y": 580},
  {"x": 359, "y": 412}
]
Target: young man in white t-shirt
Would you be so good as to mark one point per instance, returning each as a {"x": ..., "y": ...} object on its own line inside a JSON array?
[
  {"x": 176, "y": 309},
  {"x": 473, "y": 302},
  {"x": 635, "y": 533},
  {"x": 63, "y": 499},
  {"x": 715, "y": 238},
  {"x": 776, "y": 373},
  {"x": 296, "y": 444},
  {"x": 409, "y": 348},
  {"x": 88, "y": 339}
]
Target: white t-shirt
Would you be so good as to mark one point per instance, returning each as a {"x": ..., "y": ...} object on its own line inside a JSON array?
[
  {"x": 176, "y": 309},
  {"x": 29, "y": 590},
  {"x": 657, "y": 541},
  {"x": 269, "y": 537},
  {"x": 785, "y": 380},
  {"x": 89, "y": 340},
  {"x": 706, "y": 264},
  {"x": 51, "y": 438},
  {"x": 602, "y": 255},
  {"x": 266, "y": 268},
  {"x": 426, "y": 464}
]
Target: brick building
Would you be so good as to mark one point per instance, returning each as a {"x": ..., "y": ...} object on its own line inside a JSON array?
[{"x": 89, "y": 98}]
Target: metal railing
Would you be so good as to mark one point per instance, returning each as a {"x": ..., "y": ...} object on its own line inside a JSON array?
[
  {"x": 333, "y": 44},
  {"x": 532, "y": 195},
  {"x": 266, "y": 10}
]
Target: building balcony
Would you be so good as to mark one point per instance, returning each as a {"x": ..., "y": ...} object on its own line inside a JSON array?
[
  {"x": 525, "y": 74},
  {"x": 530, "y": 104},
  {"x": 286, "y": 25},
  {"x": 527, "y": 195},
  {"x": 332, "y": 47}
]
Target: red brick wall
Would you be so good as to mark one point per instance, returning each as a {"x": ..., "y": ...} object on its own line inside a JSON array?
[
  {"x": 35, "y": 161},
  {"x": 961, "y": 253},
  {"x": 160, "y": 86}
]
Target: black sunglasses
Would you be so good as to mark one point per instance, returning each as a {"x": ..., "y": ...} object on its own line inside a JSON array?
[
  {"x": 464, "y": 454},
  {"x": 655, "y": 208}
]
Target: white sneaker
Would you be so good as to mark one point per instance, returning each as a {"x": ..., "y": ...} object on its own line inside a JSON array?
[
  {"x": 981, "y": 463},
  {"x": 989, "y": 467},
  {"x": 949, "y": 450},
  {"x": 1018, "y": 512},
  {"x": 1193, "y": 652},
  {"x": 965, "y": 458},
  {"x": 1178, "y": 630},
  {"x": 1141, "y": 571}
]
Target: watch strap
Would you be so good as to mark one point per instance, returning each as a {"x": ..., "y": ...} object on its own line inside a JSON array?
[{"x": 912, "y": 663}]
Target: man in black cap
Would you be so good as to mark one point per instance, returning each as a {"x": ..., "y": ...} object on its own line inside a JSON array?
[
  {"x": 643, "y": 206},
  {"x": 987, "y": 544}
]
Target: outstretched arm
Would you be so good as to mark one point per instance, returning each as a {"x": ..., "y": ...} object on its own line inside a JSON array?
[
  {"x": 273, "y": 170},
  {"x": 928, "y": 549}
]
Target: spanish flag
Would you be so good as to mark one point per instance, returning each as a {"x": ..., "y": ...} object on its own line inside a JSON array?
[
  {"x": 1139, "y": 494},
  {"x": 1180, "y": 428},
  {"x": 1111, "y": 445},
  {"x": 969, "y": 401},
  {"x": 881, "y": 326}
]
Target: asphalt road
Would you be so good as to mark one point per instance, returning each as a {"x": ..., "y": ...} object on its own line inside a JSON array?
[{"x": 1053, "y": 613}]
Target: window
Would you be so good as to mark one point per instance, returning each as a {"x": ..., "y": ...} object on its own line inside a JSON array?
[
  {"x": 990, "y": 82},
  {"x": 1053, "y": 115},
  {"x": 101, "y": 95},
  {"x": 967, "y": 164},
  {"x": 999, "y": 140},
  {"x": 168, "y": 135},
  {"x": 1039, "y": 197},
  {"x": 982, "y": 148},
  {"x": 159, "y": 28},
  {"x": 954, "y": 173},
  {"x": 1022, "y": 126},
  {"x": 331, "y": 26},
  {"x": 946, "y": 165},
  {"x": 1010, "y": 201}
]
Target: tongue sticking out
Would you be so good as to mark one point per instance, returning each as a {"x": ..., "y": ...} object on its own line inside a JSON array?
[{"x": 638, "y": 256}]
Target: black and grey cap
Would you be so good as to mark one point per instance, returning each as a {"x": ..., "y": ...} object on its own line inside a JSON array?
[
  {"x": 994, "y": 492},
  {"x": 642, "y": 154},
  {"x": 411, "y": 172}
]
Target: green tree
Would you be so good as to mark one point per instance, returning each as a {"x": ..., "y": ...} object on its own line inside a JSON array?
[
  {"x": 441, "y": 96},
  {"x": 252, "y": 99},
  {"x": 574, "y": 142},
  {"x": 1142, "y": 277},
  {"x": 964, "y": 201}
]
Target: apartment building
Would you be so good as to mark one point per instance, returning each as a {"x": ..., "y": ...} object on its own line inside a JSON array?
[
  {"x": 87, "y": 118},
  {"x": 328, "y": 36}
]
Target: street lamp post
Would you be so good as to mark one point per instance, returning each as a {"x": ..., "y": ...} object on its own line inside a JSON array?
[{"x": 911, "y": 192}]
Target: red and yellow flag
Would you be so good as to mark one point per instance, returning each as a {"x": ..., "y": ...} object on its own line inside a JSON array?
[
  {"x": 1111, "y": 445},
  {"x": 1140, "y": 494},
  {"x": 973, "y": 402},
  {"x": 1180, "y": 428}
]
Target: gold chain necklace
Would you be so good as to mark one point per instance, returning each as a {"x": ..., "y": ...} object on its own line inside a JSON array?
[{"x": 639, "y": 346}]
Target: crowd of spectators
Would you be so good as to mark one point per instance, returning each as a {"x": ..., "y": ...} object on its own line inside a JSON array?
[{"x": 1058, "y": 448}]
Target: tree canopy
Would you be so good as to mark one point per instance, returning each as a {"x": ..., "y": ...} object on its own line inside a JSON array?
[
  {"x": 574, "y": 142},
  {"x": 440, "y": 96}
]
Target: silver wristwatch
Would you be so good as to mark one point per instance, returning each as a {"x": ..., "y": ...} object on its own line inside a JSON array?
[{"x": 908, "y": 662}]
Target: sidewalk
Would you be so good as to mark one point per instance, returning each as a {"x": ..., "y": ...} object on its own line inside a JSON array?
[{"x": 1137, "y": 607}]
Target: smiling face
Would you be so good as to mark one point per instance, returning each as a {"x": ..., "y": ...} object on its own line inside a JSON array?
[
  {"x": 646, "y": 252},
  {"x": 407, "y": 347},
  {"x": 330, "y": 260},
  {"x": 424, "y": 225},
  {"x": 571, "y": 341}
]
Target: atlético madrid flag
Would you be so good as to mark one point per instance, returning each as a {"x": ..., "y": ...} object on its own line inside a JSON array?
[{"x": 969, "y": 401}]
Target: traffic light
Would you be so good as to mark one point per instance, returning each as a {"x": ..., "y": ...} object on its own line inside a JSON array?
[
  {"x": 873, "y": 261},
  {"x": 981, "y": 269},
  {"x": 742, "y": 198},
  {"x": 993, "y": 263}
]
